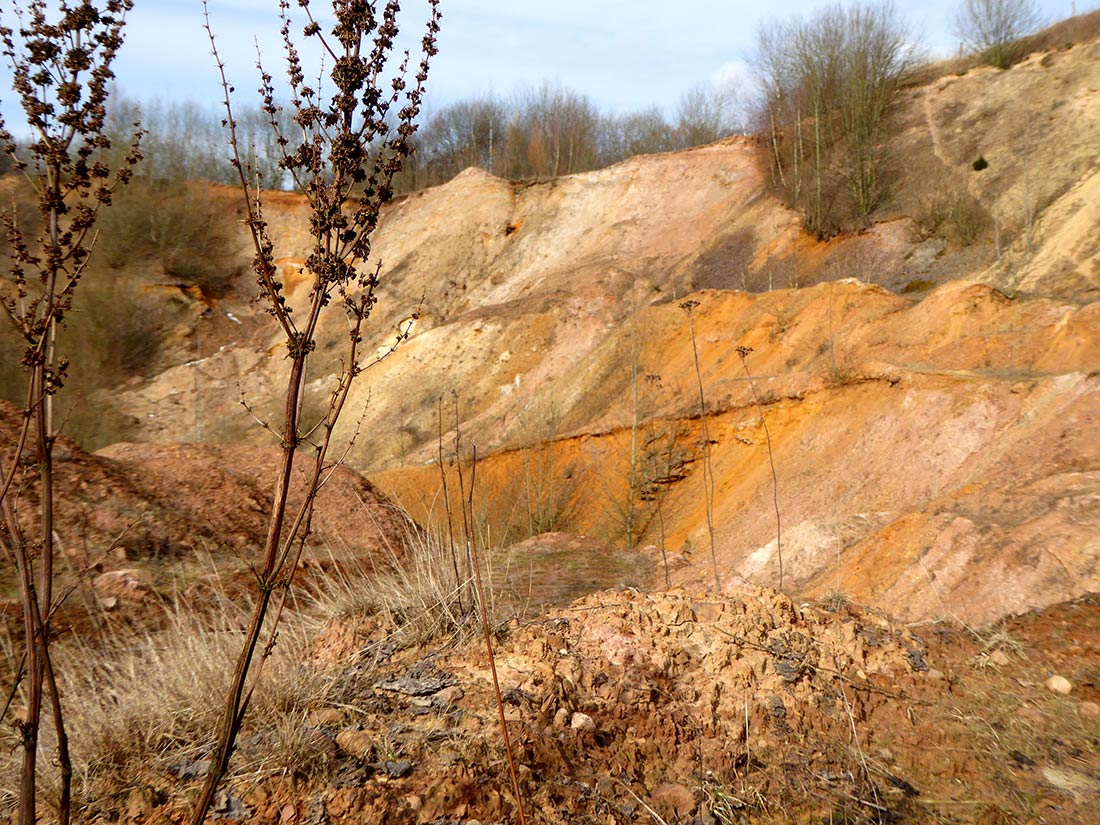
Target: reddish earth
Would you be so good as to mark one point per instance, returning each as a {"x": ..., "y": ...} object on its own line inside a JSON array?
[
  {"x": 933, "y": 458},
  {"x": 142, "y": 522},
  {"x": 625, "y": 706}
]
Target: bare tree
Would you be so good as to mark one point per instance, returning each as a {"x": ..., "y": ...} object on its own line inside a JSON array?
[
  {"x": 994, "y": 28},
  {"x": 636, "y": 133},
  {"x": 61, "y": 71},
  {"x": 467, "y": 133},
  {"x": 554, "y": 131},
  {"x": 706, "y": 113},
  {"x": 876, "y": 56},
  {"x": 829, "y": 87},
  {"x": 345, "y": 149}
]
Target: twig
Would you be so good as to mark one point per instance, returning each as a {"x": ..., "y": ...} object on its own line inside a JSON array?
[
  {"x": 708, "y": 471},
  {"x": 743, "y": 353},
  {"x": 656, "y": 816}
]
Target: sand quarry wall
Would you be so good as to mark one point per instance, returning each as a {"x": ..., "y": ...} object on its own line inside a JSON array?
[{"x": 933, "y": 447}]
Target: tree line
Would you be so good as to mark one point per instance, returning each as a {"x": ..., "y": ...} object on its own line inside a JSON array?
[
  {"x": 823, "y": 94},
  {"x": 553, "y": 130},
  {"x": 543, "y": 132}
]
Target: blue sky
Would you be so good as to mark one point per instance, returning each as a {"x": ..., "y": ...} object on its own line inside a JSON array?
[{"x": 624, "y": 54}]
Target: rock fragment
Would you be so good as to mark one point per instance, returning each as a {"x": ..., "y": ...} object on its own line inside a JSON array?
[
  {"x": 397, "y": 769},
  {"x": 582, "y": 721},
  {"x": 1059, "y": 684},
  {"x": 355, "y": 742}
]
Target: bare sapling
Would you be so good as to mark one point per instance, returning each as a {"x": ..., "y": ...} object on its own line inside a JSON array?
[
  {"x": 60, "y": 62},
  {"x": 348, "y": 143},
  {"x": 708, "y": 471}
]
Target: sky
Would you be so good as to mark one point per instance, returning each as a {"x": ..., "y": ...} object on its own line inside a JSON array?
[{"x": 624, "y": 54}]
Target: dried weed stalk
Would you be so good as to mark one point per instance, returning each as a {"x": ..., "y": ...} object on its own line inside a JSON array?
[
  {"x": 467, "y": 503},
  {"x": 743, "y": 353},
  {"x": 60, "y": 61},
  {"x": 708, "y": 471},
  {"x": 345, "y": 149}
]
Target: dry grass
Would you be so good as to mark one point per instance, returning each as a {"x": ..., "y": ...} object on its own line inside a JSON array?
[
  {"x": 141, "y": 707},
  {"x": 426, "y": 596},
  {"x": 834, "y": 601},
  {"x": 1065, "y": 33},
  {"x": 1061, "y": 35},
  {"x": 954, "y": 216},
  {"x": 728, "y": 805}
]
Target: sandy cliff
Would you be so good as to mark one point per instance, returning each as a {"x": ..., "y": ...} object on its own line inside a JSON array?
[{"x": 929, "y": 391}]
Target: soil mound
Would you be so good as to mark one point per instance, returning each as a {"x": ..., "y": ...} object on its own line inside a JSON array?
[
  {"x": 168, "y": 508},
  {"x": 745, "y": 707}
]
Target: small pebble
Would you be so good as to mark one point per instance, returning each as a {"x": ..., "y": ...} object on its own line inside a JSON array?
[
  {"x": 1058, "y": 684},
  {"x": 582, "y": 721},
  {"x": 999, "y": 658},
  {"x": 1089, "y": 709},
  {"x": 448, "y": 696}
]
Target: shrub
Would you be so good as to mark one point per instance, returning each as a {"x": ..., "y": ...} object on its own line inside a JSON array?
[
  {"x": 995, "y": 28},
  {"x": 831, "y": 84},
  {"x": 955, "y": 216},
  {"x": 180, "y": 225}
]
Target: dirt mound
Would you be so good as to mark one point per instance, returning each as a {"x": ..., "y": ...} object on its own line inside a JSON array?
[
  {"x": 227, "y": 489},
  {"x": 552, "y": 569},
  {"x": 191, "y": 505},
  {"x": 745, "y": 707}
]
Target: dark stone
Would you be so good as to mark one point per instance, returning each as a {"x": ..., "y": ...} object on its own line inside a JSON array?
[{"x": 399, "y": 769}]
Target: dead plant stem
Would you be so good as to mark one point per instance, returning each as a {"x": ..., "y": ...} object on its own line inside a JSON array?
[
  {"x": 447, "y": 509},
  {"x": 475, "y": 564},
  {"x": 333, "y": 164},
  {"x": 708, "y": 470},
  {"x": 743, "y": 352}
]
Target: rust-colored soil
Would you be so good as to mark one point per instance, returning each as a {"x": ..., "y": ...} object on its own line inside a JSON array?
[
  {"x": 168, "y": 518},
  {"x": 702, "y": 708}
]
